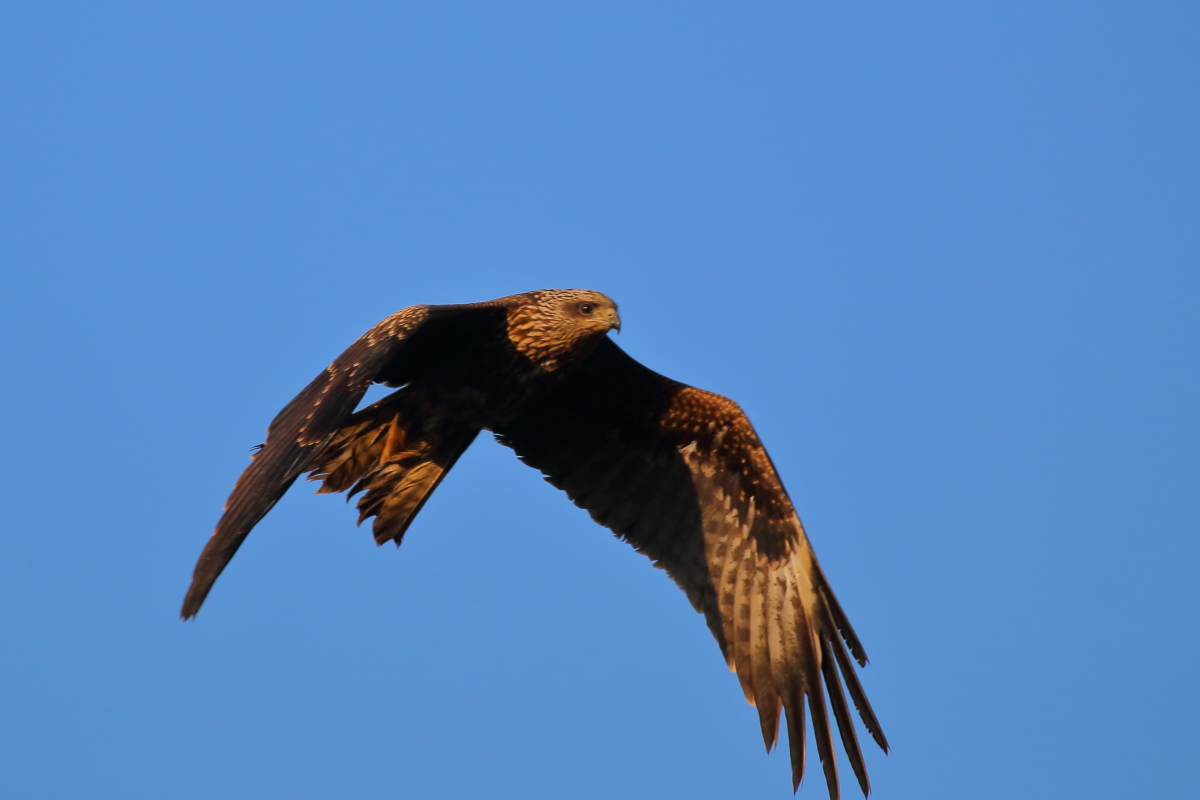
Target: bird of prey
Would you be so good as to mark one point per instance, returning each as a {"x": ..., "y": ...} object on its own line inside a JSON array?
[{"x": 676, "y": 471}]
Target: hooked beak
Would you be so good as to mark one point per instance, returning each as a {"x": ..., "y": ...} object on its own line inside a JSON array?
[{"x": 614, "y": 320}]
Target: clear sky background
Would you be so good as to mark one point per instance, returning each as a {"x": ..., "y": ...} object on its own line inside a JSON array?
[{"x": 943, "y": 253}]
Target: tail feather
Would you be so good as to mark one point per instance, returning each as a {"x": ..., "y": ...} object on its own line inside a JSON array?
[{"x": 388, "y": 452}]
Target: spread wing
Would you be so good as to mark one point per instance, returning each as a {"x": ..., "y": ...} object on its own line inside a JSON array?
[
  {"x": 681, "y": 475},
  {"x": 388, "y": 353}
]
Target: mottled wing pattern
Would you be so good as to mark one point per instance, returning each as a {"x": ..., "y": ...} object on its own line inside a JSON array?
[
  {"x": 395, "y": 452},
  {"x": 296, "y": 435},
  {"x": 784, "y": 628},
  {"x": 680, "y": 474}
]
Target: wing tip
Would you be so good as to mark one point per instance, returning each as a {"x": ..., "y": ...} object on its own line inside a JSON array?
[
  {"x": 192, "y": 601},
  {"x": 768, "y": 720}
]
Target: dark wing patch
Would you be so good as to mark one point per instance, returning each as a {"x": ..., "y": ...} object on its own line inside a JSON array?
[
  {"x": 294, "y": 437},
  {"x": 681, "y": 475}
]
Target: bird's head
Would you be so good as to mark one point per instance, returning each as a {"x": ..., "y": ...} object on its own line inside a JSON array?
[
  {"x": 557, "y": 325},
  {"x": 590, "y": 312}
]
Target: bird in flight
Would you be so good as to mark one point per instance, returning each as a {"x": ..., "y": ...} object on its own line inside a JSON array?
[{"x": 676, "y": 471}]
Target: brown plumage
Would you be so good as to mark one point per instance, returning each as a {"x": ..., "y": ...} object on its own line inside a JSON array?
[{"x": 677, "y": 472}]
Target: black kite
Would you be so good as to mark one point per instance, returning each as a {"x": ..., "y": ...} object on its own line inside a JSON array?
[{"x": 677, "y": 472}]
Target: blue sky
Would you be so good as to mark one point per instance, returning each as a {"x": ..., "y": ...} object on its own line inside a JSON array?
[{"x": 944, "y": 255}]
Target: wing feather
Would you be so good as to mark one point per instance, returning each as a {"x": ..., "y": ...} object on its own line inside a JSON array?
[
  {"x": 793, "y": 700},
  {"x": 841, "y": 713},
  {"x": 737, "y": 609},
  {"x": 859, "y": 695},
  {"x": 810, "y": 661},
  {"x": 765, "y": 698}
]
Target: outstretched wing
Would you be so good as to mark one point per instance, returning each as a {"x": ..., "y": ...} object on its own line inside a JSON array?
[
  {"x": 391, "y": 352},
  {"x": 681, "y": 475}
]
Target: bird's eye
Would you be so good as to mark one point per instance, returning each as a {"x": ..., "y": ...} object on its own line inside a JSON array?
[{"x": 586, "y": 308}]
